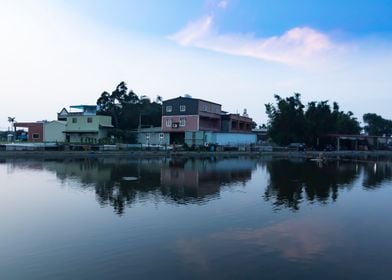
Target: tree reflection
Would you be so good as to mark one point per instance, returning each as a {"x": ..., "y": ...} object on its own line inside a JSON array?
[
  {"x": 375, "y": 173},
  {"x": 180, "y": 180},
  {"x": 291, "y": 182}
]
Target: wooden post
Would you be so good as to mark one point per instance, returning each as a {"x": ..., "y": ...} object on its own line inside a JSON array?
[{"x": 338, "y": 144}]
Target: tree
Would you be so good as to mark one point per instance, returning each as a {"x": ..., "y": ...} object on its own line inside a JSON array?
[
  {"x": 289, "y": 122},
  {"x": 286, "y": 119},
  {"x": 110, "y": 104},
  {"x": 129, "y": 111},
  {"x": 377, "y": 125},
  {"x": 319, "y": 121}
]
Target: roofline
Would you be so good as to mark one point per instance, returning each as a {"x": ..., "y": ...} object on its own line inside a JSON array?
[
  {"x": 193, "y": 99},
  {"x": 353, "y": 135},
  {"x": 62, "y": 122},
  {"x": 83, "y": 106}
]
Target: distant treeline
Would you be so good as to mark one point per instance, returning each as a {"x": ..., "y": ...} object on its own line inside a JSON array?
[{"x": 291, "y": 121}]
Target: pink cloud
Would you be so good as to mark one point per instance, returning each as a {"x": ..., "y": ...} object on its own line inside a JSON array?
[{"x": 299, "y": 45}]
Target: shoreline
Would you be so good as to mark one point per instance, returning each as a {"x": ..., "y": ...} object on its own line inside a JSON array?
[{"x": 190, "y": 154}]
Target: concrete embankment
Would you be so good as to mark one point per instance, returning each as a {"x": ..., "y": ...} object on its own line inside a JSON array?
[{"x": 189, "y": 154}]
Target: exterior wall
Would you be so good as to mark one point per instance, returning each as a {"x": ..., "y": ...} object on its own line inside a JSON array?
[
  {"x": 261, "y": 134},
  {"x": 191, "y": 106},
  {"x": 230, "y": 139},
  {"x": 87, "y": 138},
  {"x": 209, "y": 107},
  {"x": 153, "y": 138},
  {"x": 236, "y": 123},
  {"x": 35, "y": 131},
  {"x": 199, "y": 114},
  {"x": 82, "y": 124},
  {"x": 195, "y": 138},
  {"x": 209, "y": 124},
  {"x": 54, "y": 131},
  {"x": 210, "y": 116},
  {"x": 104, "y": 120},
  {"x": 82, "y": 131},
  {"x": 200, "y": 138},
  {"x": 191, "y": 123}
]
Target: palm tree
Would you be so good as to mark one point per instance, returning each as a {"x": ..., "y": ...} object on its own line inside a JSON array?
[{"x": 11, "y": 120}]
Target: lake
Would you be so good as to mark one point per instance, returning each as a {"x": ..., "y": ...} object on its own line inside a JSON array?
[{"x": 231, "y": 218}]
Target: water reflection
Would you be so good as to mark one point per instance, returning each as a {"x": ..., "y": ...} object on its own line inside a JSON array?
[
  {"x": 376, "y": 173},
  {"x": 292, "y": 182},
  {"x": 179, "y": 180},
  {"x": 289, "y": 182},
  {"x": 195, "y": 180},
  {"x": 298, "y": 241}
]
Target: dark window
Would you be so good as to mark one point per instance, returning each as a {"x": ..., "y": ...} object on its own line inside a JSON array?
[
  {"x": 89, "y": 120},
  {"x": 35, "y": 135},
  {"x": 74, "y": 120}
]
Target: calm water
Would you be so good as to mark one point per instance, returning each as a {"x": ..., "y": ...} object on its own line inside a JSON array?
[{"x": 195, "y": 219}]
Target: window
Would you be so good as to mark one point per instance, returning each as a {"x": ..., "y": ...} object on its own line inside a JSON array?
[
  {"x": 169, "y": 109},
  {"x": 35, "y": 135},
  {"x": 89, "y": 120},
  {"x": 168, "y": 123},
  {"x": 182, "y": 108},
  {"x": 182, "y": 121},
  {"x": 74, "y": 120},
  {"x": 148, "y": 136},
  {"x": 161, "y": 135}
]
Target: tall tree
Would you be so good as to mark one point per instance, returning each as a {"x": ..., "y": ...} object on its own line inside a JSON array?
[
  {"x": 289, "y": 122},
  {"x": 128, "y": 111},
  {"x": 318, "y": 121},
  {"x": 377, "y": 125},
  {"x": 286, "y": 119},
  {"x": 111, "y": 103}
]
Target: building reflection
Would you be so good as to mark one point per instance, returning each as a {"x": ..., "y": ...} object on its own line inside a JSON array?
[
  {"x": 195, "y": 180},
  {"x": 179, "y": 180}
]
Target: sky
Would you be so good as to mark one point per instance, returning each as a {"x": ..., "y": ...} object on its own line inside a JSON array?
[{"x": 239, "y": 53}]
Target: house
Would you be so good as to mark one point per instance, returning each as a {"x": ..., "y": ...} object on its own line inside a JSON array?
[
  {"x": 185, "y": 114},
  {"x": 152, "y": 136},
  {"x": 197, "y": 122},
  {"x": 42, "y": 131},
  {"x": 62, "y": 115},
  {"x": 35, "y": 130},
  {"x": 85, "y": 126}
]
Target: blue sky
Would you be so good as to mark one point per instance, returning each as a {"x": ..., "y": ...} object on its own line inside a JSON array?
[
  {"x": 239, "y": 53},
  {"x": 264, "y": 18}
]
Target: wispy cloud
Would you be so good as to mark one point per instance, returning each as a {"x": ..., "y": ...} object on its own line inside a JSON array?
[
  {"x": 223, "y": 4},
  {"x": 299, "y": 45}
]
